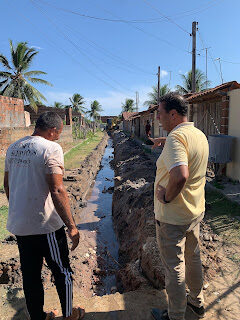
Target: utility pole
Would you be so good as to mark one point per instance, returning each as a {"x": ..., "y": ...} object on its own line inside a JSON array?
[
  {"x": 137, "y": 100},
  {"x": 170, "y": 77},
  {"x": 206, "y": 51},
  {"x": 194, "y": 28},
  {"x": 158, "y": 74},
  {"x": 219, "y": 59}
]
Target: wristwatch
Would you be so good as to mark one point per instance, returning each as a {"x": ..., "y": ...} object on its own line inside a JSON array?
[{"x": 164, "y": 199}]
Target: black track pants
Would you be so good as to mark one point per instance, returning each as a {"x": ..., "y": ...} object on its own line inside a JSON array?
[{"x": 53, "y": 247}]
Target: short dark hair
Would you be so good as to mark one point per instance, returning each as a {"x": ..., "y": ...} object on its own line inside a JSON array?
[
  {"x": 174, "y": 101},
  {"x": 49, "y": 120}
]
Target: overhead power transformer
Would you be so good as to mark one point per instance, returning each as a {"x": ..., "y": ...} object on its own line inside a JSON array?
[{"x": 220, "y": 148}]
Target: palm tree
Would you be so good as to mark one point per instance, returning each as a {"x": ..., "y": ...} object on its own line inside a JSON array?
[
  {"x": 128, "y": 106},
  {"x": 14, "y": 79},
  {"x": 58, "y": 105},
  {"x": 201, "y": 82},
  {"x": 153, "y": 96},
  {"x": 95, "y": 110},
  {"x": 78, "y": 102}
]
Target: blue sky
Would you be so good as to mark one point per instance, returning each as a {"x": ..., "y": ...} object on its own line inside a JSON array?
[{"x": 110, "y": 61}]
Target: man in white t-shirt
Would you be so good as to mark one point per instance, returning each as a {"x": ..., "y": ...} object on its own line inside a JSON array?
[{"x": 38, "y": 209}]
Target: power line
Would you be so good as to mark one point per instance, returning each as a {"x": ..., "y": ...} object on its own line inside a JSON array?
[
  {"x": 196, "y": 10},
  {"x": 156, "y": 20},
  {"x": 110, "y": 54},
  {"x": 210, "y": 55},
  {"x": 166, "y": 17},
  {"x": 76, "y": 61},
  {"x": 133, "y": 26},
  {"x": 100, "y": 18},
  {"x": 134, "y": 69},
  {"x": 114, "y": 56},
  {"x": 146, "y": 32},
  {"x": 65, "y": 35}
]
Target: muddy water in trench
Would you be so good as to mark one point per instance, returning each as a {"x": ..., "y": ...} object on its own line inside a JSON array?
[{"x": 96, "y": 218}]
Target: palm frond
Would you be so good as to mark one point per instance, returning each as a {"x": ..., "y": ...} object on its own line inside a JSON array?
[
  {"x": 33, "y": 73},
  {"x": 5, "y": 74},
  {"x": 37, "y": 80},
  {"x": 4, "y": 62}
]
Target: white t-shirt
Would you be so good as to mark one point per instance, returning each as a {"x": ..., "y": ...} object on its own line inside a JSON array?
[{"x": 31, "y": 209}]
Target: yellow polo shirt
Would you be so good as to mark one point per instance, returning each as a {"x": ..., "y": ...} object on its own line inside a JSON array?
[{"x": 185, "y": 145}]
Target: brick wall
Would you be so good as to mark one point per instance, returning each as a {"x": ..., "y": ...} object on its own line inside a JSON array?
[
  {"x": 224, "y": 115},
  {"x": 11, "y": 112},
  {"x": 10, "y": 135},
  {"x": 66, "y": 113}
]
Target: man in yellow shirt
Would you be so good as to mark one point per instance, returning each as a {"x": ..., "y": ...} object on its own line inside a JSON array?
[{"x": 179, "y": 205}]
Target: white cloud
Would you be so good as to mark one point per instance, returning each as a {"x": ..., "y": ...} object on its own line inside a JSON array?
[
  {"x": 62, "y": 97},
  {"x": 36, "y": 47},
  {"x": 163, "y": 73},
  {"x": 111, "y": 101}
]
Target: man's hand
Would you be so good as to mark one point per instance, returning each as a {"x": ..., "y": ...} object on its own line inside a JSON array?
[
  {"x": 74, "y": 236},
  {"x": 160, "y": 193},
  {"x": 157, "y": 142}
]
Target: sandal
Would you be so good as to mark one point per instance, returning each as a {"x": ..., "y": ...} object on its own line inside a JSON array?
[
  {"x": 81, "y": 313},
  {"x": 51, "y": 315},
  {"x": 78, "y": 313}
]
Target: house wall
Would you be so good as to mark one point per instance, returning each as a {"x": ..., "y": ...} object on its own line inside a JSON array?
[
  {"x": 207, "y": 116},
  {"x": 10, "y": 135},
  {"x": 233, "y": 168},
  {"x": 11, "y": 112}
]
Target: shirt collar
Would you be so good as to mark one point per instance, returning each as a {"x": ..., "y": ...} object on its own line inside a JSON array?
[{"x": 183, "y": 124}]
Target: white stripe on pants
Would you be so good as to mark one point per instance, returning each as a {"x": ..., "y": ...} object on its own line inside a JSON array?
[{"x": 55, "y": 255}]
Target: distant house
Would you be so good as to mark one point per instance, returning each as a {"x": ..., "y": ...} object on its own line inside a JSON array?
[
  {"x": 67, "y": 114},
  {"x": 104, "y": 118},
  {"x": 135, "y": 122}
]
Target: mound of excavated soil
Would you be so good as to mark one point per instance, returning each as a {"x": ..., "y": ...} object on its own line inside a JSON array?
[{"x": 134, "y": 219}]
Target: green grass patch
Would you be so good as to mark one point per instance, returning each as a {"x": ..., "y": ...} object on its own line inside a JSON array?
[
  {"x": 77, "y": 154},
  {"x": 217, "y": 185},
  {"x": 221, "y": 214},
  {"x": 3, "y": 222}
]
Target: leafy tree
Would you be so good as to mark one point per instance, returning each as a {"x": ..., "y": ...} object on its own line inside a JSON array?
[
  {"x": 128, "y": 105},
  {"x": 95, "y": 109},
  {"x": 153, "y": 96},
  {"x": 201, "y": 82},
  {"x": 15, "y": 78},
  {"x": 58, "y": 105},
  {"x": 77, "y": 102}
]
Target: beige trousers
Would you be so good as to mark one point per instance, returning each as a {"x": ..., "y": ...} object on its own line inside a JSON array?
[{"x": 180, "y": 255}]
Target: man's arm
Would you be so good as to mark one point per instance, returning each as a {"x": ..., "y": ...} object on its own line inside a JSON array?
[
  {"x": 62, "y": 205},
  {"x": 6, "y": 184},
  {"x": 158, "y": 141},
  {"x": 177, "y": 179}
]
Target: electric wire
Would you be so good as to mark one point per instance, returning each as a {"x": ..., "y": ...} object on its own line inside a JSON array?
[
  {"x": 66, "y": 36},
  {"x": 110, "y": 54},
  {"x": 152, "y": 20},
  {"x": 200, "y": 37},
  {"x": 146, "y": 32},
  {"x": 166, "y": 17}
]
